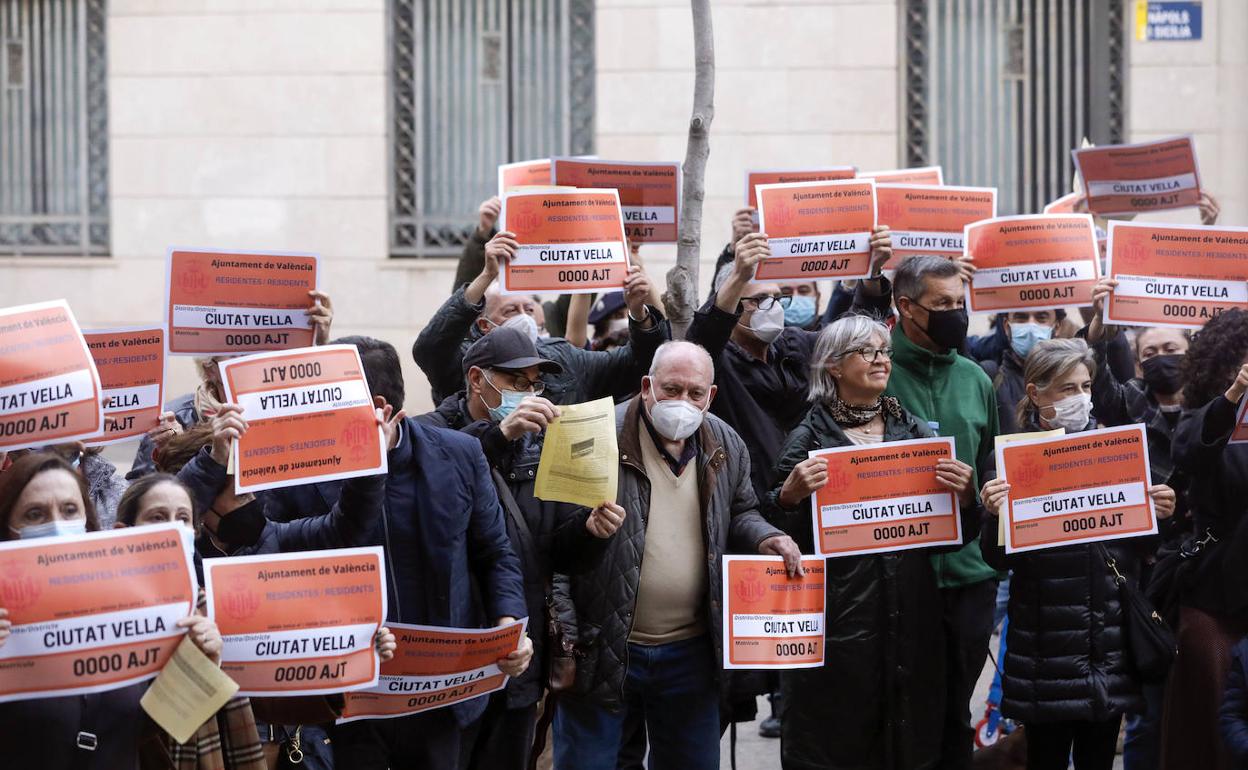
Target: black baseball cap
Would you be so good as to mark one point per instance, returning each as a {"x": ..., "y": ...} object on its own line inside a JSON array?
[{"x": 505, "y": 348}]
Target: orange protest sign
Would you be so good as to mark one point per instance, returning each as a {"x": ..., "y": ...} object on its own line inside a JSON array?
[
  {"x": 1032, "y": 262},
  {"x": 1064, "y": 205},
  {"x": 1130, "y": 178},
  {"x": 526, "y": 173},
  {"x": 131, "y": 363},
  {"x": 885, "y": 497},
  {"x": 93, "y": 612},
  {"x": 790, "y": 176},
  {"x": 299, "y": 623},
  {"x": 1078, "y": 488},
  {"x": 930, "y": 220},
  {"x": 571, "y": 241},
  {"x": 927, "y": 175},
  {"x": 49, "y": 388},
  {"x": 310, "y": 417},
  {"x": 1175, "y": 275},
  {"x": 649, "y": 192},
  {"x": 816, "y": 229},
  {"x": 230, "y": 302},
  {"x": 434, "y": 667},
  {"x": 770, "y": 620}
]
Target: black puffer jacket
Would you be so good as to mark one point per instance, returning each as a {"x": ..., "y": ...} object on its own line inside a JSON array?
[
  {"x": 1066, "y": 655},
  {"x": 885, "y": 639},
  {"x": 605, "y": 596}
]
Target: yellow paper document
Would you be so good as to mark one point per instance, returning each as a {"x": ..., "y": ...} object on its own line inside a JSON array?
[
  {"x": 580, "y": 459},
  {"x": 1010, "y": 438},
  {"x": 188, "y": 692}
]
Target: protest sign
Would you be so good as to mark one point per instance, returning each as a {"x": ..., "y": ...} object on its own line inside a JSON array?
[
  {"x": 816, "y": 229},
  {"x": 1129, "y": 178},
  {"x": 789, "y": 176},
  {"x": 1064, "y": 205},
  {"x": 771, "y": 620},
  {"x": 526, "y": 173},
  {"x": 1079, "y": 488},
  {"x": 299, "y": 623},
  {"x": 49, "y": 387},
  {"x": 131, "y": 364},
  {"x": 930, "y": 220},
  {"x": 649, "y": 192},
  {"x": 1010, "y": 438},
  {"x": 927, "y": 175},
  {"x": 229, "y": 302},
  {"x": 580, "y": 460},
  {"x": 884, "y": 497},
  {"x": 310, "y": 417},
  {"x": 435, "y": 667},
  {"x": 1029, "y": 262},
  {"x": 1175, "y": 275},
  {"x": 571, "y": 241},
  {"x": 93, "y": 612}
]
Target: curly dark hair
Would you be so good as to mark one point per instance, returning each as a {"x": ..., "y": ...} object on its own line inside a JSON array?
[{"x": 1215, "y": 355}]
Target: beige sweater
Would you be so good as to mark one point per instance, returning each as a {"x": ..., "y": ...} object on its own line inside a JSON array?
[{"x": 672, "y": 589}]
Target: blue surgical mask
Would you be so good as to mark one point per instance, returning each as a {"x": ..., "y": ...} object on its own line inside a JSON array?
[
  {"x": 1023, "y": 337},
  {"x": 510, "y": 400},
  {"x": 800, "y": 312},
  {"x": 53, "y": 528}
]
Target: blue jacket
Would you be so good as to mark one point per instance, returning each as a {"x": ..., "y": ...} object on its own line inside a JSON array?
[
  {"x": 1234, "y": 712},
  {"x": 448, "y": 558}
]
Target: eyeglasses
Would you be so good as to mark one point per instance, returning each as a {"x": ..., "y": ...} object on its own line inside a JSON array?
[
  {"x": 765, "y": 301},
  {"x": 518, "y": 382},
  {"x": 871, "y": 355}
]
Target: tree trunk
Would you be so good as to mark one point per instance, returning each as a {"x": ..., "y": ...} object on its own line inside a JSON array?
[{"x": 681, "y": 298}]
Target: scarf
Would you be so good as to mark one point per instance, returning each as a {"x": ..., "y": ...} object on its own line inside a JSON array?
[
  {"x": 850, "y": 416},
  {"x": 206, "y": 404}
]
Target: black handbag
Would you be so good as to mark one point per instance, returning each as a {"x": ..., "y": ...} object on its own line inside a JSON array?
[
  {"x": 1151, "y": 645},
  {"x": 1173, "y": 572}
]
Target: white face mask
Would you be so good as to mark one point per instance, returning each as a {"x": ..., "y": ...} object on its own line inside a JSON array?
[
  {"x": 767, "y": 324},
  {"x": 616, "y": 325},
  {"x": 1072, "y": 412},
  {"x": 675, "y": 419},
  {"x": 522, "y": 322},
  {"x": 53, "y": 528}
]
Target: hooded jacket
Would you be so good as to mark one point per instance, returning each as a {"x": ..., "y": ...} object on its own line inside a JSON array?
[
  {"x": 884, "y": 637},
  {"x": 955, "y": 398},
  {"x": 605, "y": 596}
]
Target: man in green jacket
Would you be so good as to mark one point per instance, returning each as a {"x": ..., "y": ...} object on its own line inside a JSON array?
[{"x": 954, "y": 396}]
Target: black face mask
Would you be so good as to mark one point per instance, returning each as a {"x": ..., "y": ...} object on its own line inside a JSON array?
[
  {"x": 242, "y": 526},
  {"x": 1164, "y": 374},
  {"x": 947, "y": 328}
]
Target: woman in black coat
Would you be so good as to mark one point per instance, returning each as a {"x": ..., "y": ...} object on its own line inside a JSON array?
[
  {"x": 1067, "y": 676},
  {"x": 1213, "y": 596},
  {"x": 878, "y": 701}
]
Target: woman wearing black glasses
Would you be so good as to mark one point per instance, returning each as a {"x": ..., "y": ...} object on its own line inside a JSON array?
[{"x": 878, "y": 701}]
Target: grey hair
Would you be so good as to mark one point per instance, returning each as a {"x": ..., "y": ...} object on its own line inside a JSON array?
[
  {"x": 1049, "y": 360},
  {"x": 835, "y": 341},
  {"x": 673, "y": 347},
  {"x": 910, "y": 280}
]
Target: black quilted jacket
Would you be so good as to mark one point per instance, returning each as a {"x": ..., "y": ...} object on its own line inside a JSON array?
[{"x": 604, "y": 597}]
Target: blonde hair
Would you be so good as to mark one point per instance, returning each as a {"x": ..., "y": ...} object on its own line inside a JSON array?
[{"x": 1048, "y": 361}]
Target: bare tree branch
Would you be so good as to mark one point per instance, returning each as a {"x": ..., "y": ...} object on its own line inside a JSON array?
[{"x": 681, "y": 298}]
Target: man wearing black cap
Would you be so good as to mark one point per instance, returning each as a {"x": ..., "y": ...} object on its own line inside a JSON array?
[{"x": 502, "y": 406}]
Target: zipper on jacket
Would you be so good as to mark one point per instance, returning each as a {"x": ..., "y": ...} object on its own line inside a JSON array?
[
  {"x": 385, "y": 528},
  {"x": 632, "y": 614}
]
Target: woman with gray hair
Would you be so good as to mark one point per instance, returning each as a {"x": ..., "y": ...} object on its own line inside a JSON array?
[
  {"x": 884, "y": 650},
  {"x": 1066, "y": 674}
]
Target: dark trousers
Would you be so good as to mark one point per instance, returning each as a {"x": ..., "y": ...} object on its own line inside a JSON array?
[
  {"x": 968, "y": 631},
  {"x": 501, "y": 739},
  {"x": 673, "y": 688},
  {"x": 427, "y": 741},
  {"x": 1142, "y": 748},
  {"x": 1050, "y": 745}
]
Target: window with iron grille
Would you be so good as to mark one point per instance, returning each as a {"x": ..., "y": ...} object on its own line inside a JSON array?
[
  {"x": 999, "y": 92},
  {"x": 474, "y": 84},
  {"x": 53, "y": 128}
]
